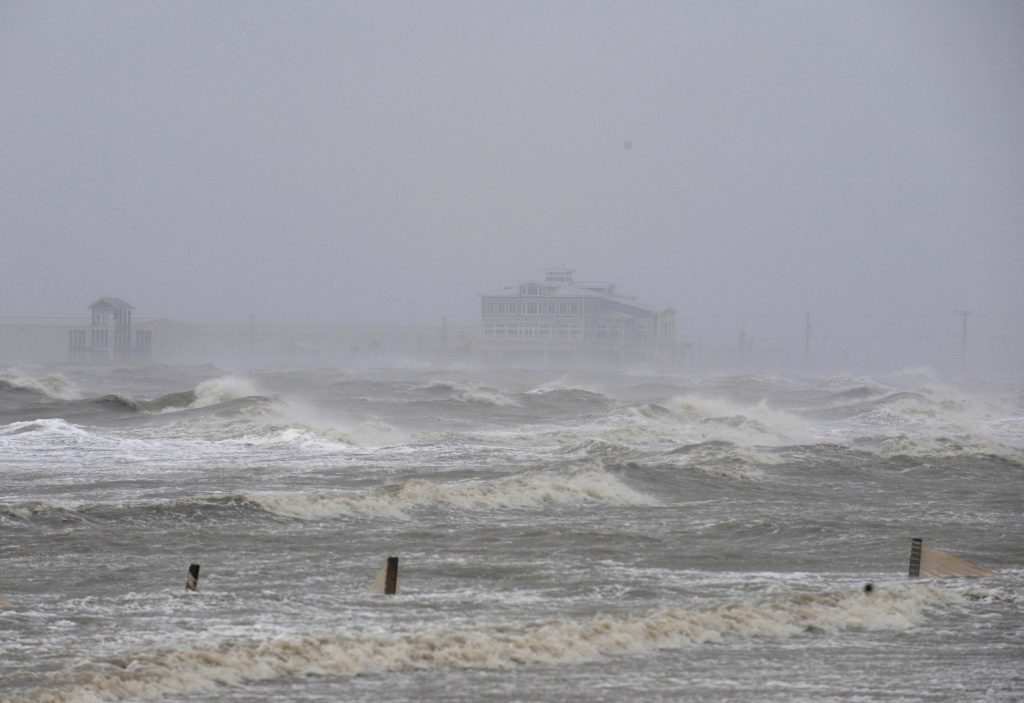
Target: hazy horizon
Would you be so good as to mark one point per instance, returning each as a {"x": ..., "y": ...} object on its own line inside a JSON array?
[{"x": 363, "y": 163}]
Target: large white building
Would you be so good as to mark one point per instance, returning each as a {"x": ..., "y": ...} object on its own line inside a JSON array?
[
  {"x": 109, "y": 337},
  {"x": 560, "y": 320}
]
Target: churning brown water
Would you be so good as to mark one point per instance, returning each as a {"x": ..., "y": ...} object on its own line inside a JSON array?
[{"x": 577, "y": 536}]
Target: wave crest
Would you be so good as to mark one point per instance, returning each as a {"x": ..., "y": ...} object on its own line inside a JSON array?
[
  {"x": 586, "y": 485},
  {"x": 551, "y": 643},
  {"x": 24, "y": 511},
  {"x": 470, "y": 393},
  {"x": 54, "y": 386},
  {"x": 52, "y": 426}
]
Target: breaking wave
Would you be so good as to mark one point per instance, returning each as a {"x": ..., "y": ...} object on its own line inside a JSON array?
[
  {"x": 171, "y": 401},
  {"x": 215, "y": 391},
  {"x": 937, "y": 447},
  {"x": 221, "y": 390},
  {"x": 471, "y": 393},
  {"x": 556, "y": 642},
  {"x": 687, "y": 420},
  {"x": 54, "y": 386},
  {"x": 723, "y": 459},
  {"x": 47, "y": 426},
  {"x": 585, "y": 485}
]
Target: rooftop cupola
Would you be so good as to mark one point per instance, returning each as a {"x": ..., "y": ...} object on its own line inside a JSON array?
[{"x": 559, "y": 275}]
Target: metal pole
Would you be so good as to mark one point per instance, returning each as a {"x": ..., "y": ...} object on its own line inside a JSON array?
[
  {"x": 807, "y": 339},
  {"x": 964, "y": 314}
]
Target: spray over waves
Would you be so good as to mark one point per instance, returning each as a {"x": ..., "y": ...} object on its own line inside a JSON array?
[
  {"x": 687, "y": 420},
  {"x": 54, "y": 386},
  {"x": 556, "y": 642},
  {"x": 471, "y": 393},
  {"x": 55, "y": 427},
  {"x": 938, "y": 447},
  {"x": 584, "y": 485},
  {"x": 281, "y": 430},
  {"x": 723, "y": 459},
  {"x": 165, "y": 403},
  {"x": 223, "y": 389},
  {"x": 937, "y": 422},
  {"x": 568, "y": 394},
  {"x": 216, "y": 391},
  {"x": 943, "y": 403},
  {"x": 759, "y": 422}
]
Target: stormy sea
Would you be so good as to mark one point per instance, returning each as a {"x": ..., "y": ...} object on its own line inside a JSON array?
[{"x": 562, "y": 536}]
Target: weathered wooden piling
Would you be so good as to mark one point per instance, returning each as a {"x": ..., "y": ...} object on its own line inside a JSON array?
[
  {"x": 192, "y": 583},
  {"x": 391, "y": 577},
  {"x": 915, "y": 557},
  {"x": 386, "y": 582}
]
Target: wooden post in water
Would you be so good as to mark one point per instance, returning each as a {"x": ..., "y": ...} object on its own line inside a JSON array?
[
  {"x": 391, "y": 578},
  {"x": 192, "y": 584},
  {"x": 915, "y": 557}
]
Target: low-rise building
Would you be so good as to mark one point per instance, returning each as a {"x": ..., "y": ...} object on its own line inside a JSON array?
[
  {"x": 558, "y": 320},
  {"x": 109, "y": 337}
]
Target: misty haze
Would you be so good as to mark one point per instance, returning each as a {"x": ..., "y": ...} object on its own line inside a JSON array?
[{"x": 676, "y": 351}]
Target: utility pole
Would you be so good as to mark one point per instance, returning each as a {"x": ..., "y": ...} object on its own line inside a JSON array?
[
  {"x": 252, "y": 339},
  {"x": 807, "y": 339},
  {"x": 964, "y": 314}
]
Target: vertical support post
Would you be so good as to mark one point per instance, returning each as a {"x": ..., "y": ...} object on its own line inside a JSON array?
[
  {"x": 391, "y": 577},
  {"x": 192, "y": 584},
  {"x": 807, "y": 339},
  {"x": 252, "y": 339},
  {"x": 964, "y": 314},
  {"x": 915, "y": 557}
]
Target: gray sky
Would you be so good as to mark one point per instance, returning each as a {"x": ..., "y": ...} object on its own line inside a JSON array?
[{"x": 360, "y": 161}]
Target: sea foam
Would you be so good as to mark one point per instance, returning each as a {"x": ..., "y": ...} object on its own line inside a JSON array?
[
  {"x": 584, "y": 485},
  {"x": 555, "y": 642}
]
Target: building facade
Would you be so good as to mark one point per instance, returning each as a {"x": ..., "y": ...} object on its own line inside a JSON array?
[
  {"x": 559, "y": 320},
  {"x": 109, "y": 338}
]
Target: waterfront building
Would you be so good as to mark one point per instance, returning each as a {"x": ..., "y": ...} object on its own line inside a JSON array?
[
  {"x": 558, "y": 320},
  {"x": 109, "y": 338}
]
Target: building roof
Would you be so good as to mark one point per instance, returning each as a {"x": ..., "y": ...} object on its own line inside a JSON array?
[
  {"x": 114, "y": 303},
  {"x": 576, "y": 291}
]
